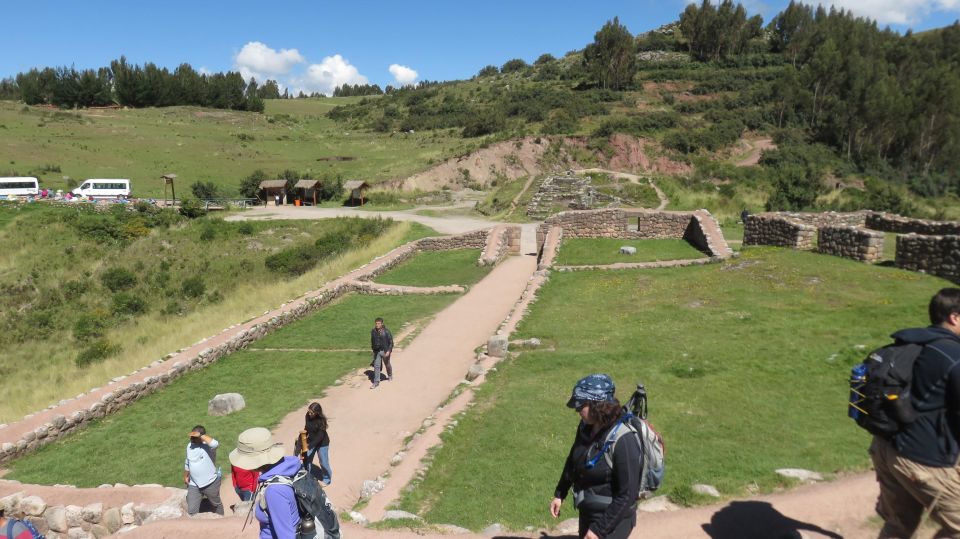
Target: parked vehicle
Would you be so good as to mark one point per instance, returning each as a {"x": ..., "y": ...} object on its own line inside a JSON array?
[
  {"x": 24, "y": 186},
  {"x": 103, "y": 188}
]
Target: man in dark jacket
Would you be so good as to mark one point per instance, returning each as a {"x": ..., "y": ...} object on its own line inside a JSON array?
[
  {"x": 381, "y": 341},
  {"x": 917, "y": 468}
]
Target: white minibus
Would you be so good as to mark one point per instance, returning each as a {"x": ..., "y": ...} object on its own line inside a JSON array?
[
  {"x": 100, "y": 188},
  {"x": 18, "y": 187}
]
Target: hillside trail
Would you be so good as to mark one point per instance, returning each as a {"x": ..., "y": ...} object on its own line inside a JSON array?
[
  {"x": 755, "y": 148},
  {"x": 449, "y": 224}
]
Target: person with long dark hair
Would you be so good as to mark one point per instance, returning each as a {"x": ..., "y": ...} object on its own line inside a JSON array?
[
  {"x": 605, "y": 494},
  {"x": 318, "y": 443}
]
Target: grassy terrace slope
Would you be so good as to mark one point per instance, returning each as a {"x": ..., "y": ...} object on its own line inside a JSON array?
[
  {"x": 203, "y": 144},
  {"x": 745, "y": 363},
  {"x": 128, "y": 288},
  {"x": 142, "y": 441}
]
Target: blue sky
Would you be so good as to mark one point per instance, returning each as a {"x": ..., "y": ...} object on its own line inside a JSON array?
[{"x": 314, "y": 45}]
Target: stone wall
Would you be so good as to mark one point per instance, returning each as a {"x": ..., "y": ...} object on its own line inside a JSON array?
[
  {"x": 94, "y": 520},
  {"x": 638, "y": 224},
  {"x": 889, "y": 222},
  {"x": 501, "y": 241},
  {"x": 827, "y": 218},
  {"x": 126, "y": 394},
  {"x": 470, "y": 240},
  {"x": 773, "y": 229},
  {"x": 850, "y": 242},
  {"x": 574, "y": 191},
  {"x": 936, "y": 255}
]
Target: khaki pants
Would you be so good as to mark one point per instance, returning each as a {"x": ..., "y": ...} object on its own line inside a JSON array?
[{"x": 908, "y": 487}]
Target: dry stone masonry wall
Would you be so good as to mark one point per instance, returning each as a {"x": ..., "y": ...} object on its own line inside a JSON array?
[
  {"x": 889, "y": 222},
  {"x": 699, "y": 228},
  {"x": 575, "y": 191},
  {"x": 772, "y": 229},
  {"x": 930, "y": 246},
  {"x": 936, "y": 255},
  {"x": 128, "y": 393},
  {"x": 851, "y": 242}
]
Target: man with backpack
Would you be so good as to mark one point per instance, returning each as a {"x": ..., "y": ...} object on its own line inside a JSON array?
[{"x": 917, "y": 466}]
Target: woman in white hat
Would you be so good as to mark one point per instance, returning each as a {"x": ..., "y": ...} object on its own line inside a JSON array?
[{"x": 277, "y": 509}]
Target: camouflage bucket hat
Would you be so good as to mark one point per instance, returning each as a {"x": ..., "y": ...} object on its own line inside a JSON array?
[{"x": 593, "y": 388}]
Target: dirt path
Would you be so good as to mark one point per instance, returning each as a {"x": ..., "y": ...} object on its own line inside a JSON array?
[
  {"x": 755, "y": 149},
  {"x": 453, "y": 224},
  {"x": 839, "y": 509}
]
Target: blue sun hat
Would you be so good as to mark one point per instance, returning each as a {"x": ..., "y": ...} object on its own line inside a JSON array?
[{"x": 593, "y": 388}]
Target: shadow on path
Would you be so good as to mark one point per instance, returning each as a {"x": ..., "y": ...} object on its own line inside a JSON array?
[{"x": 758, "y": 520}]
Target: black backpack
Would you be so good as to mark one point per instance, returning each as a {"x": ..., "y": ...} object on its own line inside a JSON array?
[
  {"x": 316, "y": 513},
  {"x": 880, "y": 398}
]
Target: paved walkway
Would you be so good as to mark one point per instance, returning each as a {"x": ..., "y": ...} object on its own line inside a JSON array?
[{"x": 454, "y": 224}]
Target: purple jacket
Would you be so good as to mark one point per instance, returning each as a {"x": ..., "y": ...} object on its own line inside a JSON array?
[{"x": 284, "y": 516}]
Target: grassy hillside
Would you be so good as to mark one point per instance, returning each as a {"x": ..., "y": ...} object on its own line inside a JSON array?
[
  {"x": 87, "y": 297},
  {"x": 203, "y": 145}
]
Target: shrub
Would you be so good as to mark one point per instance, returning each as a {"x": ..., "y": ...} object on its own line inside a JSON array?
[
  {"x": 208, "y": 232},
  {"x": 126, "y": 304},
  {"x": 193, "y": 287},
  {"x": 91, "y": 325},
  {"x": 250, "y": 186},
  {"x": 488, "y": 71},
  {"x": 192, "y": 208},
  {"x": 245, "y": 228},
  {"x": 117, "y": 279},
  {"x": 483, "y": 123},
  {"x": 203, "y": 190},
  {"x": 513, "y": 65},
  {"x": 293, "y": 261},
  {"x": 96, "y": 352}
]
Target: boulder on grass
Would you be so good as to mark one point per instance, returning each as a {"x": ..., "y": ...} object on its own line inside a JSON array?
[
  {"x": 226, "y": 404},
  {"x": 627, "y": 250}
]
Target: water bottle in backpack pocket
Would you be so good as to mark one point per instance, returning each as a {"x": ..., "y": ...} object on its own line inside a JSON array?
[{"x": 880, "y": 399}]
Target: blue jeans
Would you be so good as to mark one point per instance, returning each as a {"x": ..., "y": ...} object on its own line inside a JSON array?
[
  {"x": 245, "y": 495},
  {"x": 380, "y": 359}
]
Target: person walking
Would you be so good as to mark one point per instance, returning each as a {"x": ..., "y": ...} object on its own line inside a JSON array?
[
  {"x": 200, "y": 472},
  {"x": 917, "y": 468},
  {"x": 381, "y": 341},
  {"x": 605, "y": 494},
  {"x": 318, "y": 443}
]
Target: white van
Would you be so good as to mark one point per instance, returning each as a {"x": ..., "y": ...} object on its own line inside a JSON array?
[
  {"x": 99, "y": 188},
  {"x": 18, "y": 187}
]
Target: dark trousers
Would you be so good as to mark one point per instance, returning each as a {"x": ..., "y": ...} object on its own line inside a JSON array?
[{"x": 622, "y": 531}]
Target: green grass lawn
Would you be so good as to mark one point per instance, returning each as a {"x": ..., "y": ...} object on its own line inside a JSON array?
[
  {"x": 145, "y": 442},
  {"x": 438, "y": 268},
  {"x": 745, "y": 364},
  {"x": 346, "y": 324},
  {"x": 584, "y": 251}
]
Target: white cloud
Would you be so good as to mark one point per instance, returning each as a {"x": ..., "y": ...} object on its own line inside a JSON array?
[
  {"x": 259, "y": 61},
  {"x": 403, "y": 74},
  {"x": 903, "y": 12},
  {"x": 333, "y": 71}
]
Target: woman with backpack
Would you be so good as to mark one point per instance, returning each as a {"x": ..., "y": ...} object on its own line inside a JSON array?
[
  {"x": 605, "y": 490},
  {"x": 11, "y": 528},
  {"x": 318, "y": 443},
  {"x": 275, "y": 506}
]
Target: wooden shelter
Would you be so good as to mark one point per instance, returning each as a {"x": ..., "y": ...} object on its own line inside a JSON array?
[
  {"x": 307, "y": 188},
  {"x": 168, "y": 180},
  {"x": 356, "y": 189},
  {"x": 272, "y": 187}
]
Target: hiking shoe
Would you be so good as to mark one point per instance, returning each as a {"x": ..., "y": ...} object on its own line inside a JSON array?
[
  {"x": 374, "y": 386},
  {"x": 388, "y": 379}
]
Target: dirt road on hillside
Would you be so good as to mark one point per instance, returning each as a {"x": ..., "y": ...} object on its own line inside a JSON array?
[{"x": 454, "y": 224}]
